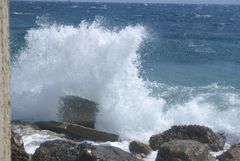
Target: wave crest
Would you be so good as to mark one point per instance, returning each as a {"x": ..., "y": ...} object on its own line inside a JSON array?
[{"x": 104, "y": 65}]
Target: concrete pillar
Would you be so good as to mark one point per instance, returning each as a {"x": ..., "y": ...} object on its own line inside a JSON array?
[{"x": 5, "y": 131}]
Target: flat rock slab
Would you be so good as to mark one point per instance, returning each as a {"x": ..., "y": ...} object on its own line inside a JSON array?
[
  {"x": 79, "y": 131},
  {"x": 91, "y": 134},
  {"x": 191, "y": 132},
  {"x": 54, "y": 126}
]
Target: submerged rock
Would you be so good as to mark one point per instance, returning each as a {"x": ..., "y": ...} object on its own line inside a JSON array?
[
  {"x": 59, "y": 150},
  {"x": 192, "y": 132},
  {"x": 74, "y": 109},
  {"x": 184, "y": 150},
  {"x": 233, "y": 154},
  {"x": 91, "y": 134},
  {"x": 137, "y": 147},
  {"x": 17, "y": 148}
]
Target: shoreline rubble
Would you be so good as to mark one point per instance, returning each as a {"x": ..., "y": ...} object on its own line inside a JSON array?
[
  {"x": 173, "y": 146},
  {"x": 75, "y": 138}
]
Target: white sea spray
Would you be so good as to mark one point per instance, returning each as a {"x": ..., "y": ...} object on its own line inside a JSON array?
[{"x": 104, "y": 66}]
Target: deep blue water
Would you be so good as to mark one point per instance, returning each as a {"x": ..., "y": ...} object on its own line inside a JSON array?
[{"x": 190, "y": 45}]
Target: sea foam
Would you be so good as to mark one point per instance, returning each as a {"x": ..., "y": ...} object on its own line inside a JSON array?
[{"x": 104, "y": 66}]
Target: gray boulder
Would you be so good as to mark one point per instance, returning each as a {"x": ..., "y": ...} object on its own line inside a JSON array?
[
  {"x": 59, "y": 150},
  {"x": 192, "y": 132},
  {"x": 137, "y": 147},
  {"x": 17, "y": 148},
  {"x": 183, "y": 150},
  {"x": 74, "y": 109},
  {"x": 233, "y": 154}
]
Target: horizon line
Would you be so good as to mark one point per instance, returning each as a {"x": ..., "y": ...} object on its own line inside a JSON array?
[{"x": 136, "y": 2}]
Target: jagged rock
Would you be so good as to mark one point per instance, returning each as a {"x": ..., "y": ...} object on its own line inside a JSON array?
[
  {"x": 137, "y": 147},
  {"x": 192, "y": 132},
  {"x": 59, "y": 150},
  {"x": 54, "y": 126},
  {"x": 184, "y": 150},
  {"x": 91, "y": 134},
  {"x": 233, "y": 154},
  {"x": 74, "y": 109},
  {"x": 17, "y": 148}
]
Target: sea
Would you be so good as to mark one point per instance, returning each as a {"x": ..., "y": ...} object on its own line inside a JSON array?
[{"x": 147, "y": 66}]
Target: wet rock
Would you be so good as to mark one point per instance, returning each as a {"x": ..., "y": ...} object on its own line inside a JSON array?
[
  {"x": 105, "y": 153},
  {"x": 68, "y": 151},
  {"x": 54, "y": 126},
  {"x": 184, "y": 150},
  {"x": 74, "y": 109},
  {"x": 233, "y": 154},
  {"x": 91, "y": 134},
  {"x": 74, "y": 130},
  {"x": 192, "y": 132},
  {"x": 16, "y": 124},
  {"x": 17, "y": 148},
  {"x": 137, "y": 147},
  {"x": 56, "y": 151},
  {"x": 34, "y": 136}
]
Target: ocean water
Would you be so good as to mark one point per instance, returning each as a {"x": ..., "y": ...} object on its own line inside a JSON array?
[{"x": 148, "y": 66}]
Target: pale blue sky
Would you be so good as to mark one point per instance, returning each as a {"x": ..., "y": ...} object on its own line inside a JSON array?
[{"x": 161, "y": 1}]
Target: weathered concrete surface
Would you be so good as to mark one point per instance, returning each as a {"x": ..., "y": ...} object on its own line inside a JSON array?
[{"x": 5, "y": 132}]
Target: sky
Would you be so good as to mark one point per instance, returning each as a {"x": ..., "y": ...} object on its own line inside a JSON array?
[{"x": 160, "y": 1}]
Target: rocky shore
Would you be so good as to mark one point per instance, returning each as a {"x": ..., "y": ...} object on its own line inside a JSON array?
[
  {"x": 73, "y": 140},
  {"x": 180, "y": 143}
]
